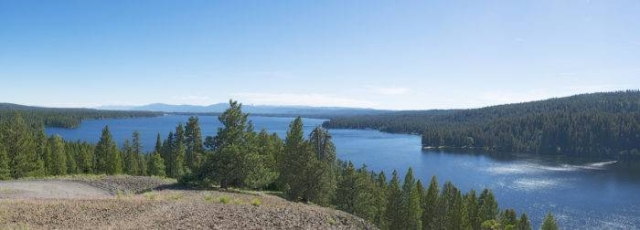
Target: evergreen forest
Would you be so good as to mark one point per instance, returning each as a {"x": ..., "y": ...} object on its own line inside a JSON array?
[{"x": 594, "y": 125}]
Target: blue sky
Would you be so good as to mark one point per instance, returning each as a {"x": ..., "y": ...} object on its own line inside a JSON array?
[{"x": 379, "y": 54}]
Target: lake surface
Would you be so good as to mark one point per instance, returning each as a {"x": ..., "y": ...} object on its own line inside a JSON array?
[{"x": 582, "y": 194}]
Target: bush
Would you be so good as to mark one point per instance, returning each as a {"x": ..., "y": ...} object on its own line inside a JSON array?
[
  {"x": 256, "y": 202},
  {"x": 224, "y": 199}
]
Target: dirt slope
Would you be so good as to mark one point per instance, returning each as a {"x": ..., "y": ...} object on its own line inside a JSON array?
[
  {"x": 164, "y": 209},
  {"x": 49, "y": 189}
]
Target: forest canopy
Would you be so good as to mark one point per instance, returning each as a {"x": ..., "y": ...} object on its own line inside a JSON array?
[
  {"x": 64, "y": 117},
  {"x": 598, "y": 124}
]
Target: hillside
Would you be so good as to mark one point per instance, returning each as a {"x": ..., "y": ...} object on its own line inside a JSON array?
[
  {"x": 598, "y": 124},
  {"x": 162, "y": 206},
  {"x": 64, "y": 117}
]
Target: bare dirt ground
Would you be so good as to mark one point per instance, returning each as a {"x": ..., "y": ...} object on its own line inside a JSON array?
[
  {"x": 76, "y": 204},
  {"x": 49, "y": 189}
]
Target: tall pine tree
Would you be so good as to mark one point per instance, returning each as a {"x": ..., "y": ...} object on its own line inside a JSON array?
[
  {"x": 393, "y": 212},
  {"x": 107, "y": 157},
  {"x": 549, "y": 223},
  {"x": 194, "y": 153},
  {"x": 5, "y": 172},
  {"x": 58, "y": 157},
  {"x": 297, "y": 158},
  {"x": 411, "y": 211},
  {"x": 18, "y": 139},
  {"x": 429, "y": 205}
]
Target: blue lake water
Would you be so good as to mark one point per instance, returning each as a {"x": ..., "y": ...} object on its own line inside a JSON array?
[{"x": 582, "y": 194}]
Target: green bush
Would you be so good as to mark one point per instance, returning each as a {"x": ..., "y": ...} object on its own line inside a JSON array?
[
  {"x": 224, "y": 199},
  {"x": 256, "y": 202}
]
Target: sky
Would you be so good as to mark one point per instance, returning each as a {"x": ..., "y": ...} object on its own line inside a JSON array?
[{"x": 356, "y": 53}]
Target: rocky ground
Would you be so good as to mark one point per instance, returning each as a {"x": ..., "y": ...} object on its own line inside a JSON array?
[{"x": 121, "y": 203}]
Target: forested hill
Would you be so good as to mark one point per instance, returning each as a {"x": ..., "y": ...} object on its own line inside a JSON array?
[
  {"x": 64, "y": 117},
  {"x": 602, "y": 124}
]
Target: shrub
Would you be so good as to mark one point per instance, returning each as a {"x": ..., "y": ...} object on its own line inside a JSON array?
[
  {"x": 224, "y": 199},
  {"x": 256, "y": 202}
]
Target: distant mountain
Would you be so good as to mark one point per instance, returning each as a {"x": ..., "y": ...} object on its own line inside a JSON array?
[{"x": 253, "y": 109}]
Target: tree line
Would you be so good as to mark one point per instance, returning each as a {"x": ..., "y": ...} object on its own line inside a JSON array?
[
  {"x": 64, "y": 117},
  {"x": 598, "y": 124},
  {"x": 303, "y": 168}
]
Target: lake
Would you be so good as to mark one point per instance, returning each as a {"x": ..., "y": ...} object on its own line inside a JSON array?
[{"x": 582, "y": 194}]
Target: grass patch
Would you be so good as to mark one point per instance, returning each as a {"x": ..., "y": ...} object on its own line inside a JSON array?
[
  {"x": 176, "y": 196},
  {"x": 121, "y": 194},
  {"x": 256, "y": 202},
  {"x": 237, "y": 201},
  {"x": 208, "y": 197},
  {"x": 151, "y": 195},
  {"x": 224, "y": 199}
]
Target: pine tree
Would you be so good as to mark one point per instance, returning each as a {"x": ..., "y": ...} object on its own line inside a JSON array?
[
  {"x": 194, "y": 153},
  {"x": 41, "y": 141},
  {"x": 381, "y": 199},
  {"x": 136, "y": 145},
  {"x": 167, "y": 155},
  {"x": 470, "y": 211},
  {"x": 347, "y": 191},
  {"x": 509, "y": 219},
  {"x": 410, "y": 203},
  {"x": 228, "y": 164},
  {"x": 268, "y": 149},
  {"x": 394, "y": 203},
  {"x": 450, "y": 207},
  {"x": 178, "y": 152},
  {"x": 320, "y": 169},
  {"x": 85, "y": 162},
  {"x": 5, "y": 171},
  {"x": 107, "y": 157},
  {"x": 429, "y": 205},
  {"x": 367, "y": 205},
  {"x": 158, "y": 148},
  {"x": 524, "y": 223},
  {"x": 156, "y": 165},
  {"x": 21, "y": 149},
  {"x": 72, "y": 166},
  {"x": 130, "y": 164},
  {"x": 549, "y": 223},
  {"x": 142, "y": 165},
  {"x": 116, "y": 162},
  {"x": 297, "y": 158},
  {"x": 488, "y": 206},
  {"x": 58, "y": 164},
  {"x": 259, "y": 164}
]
